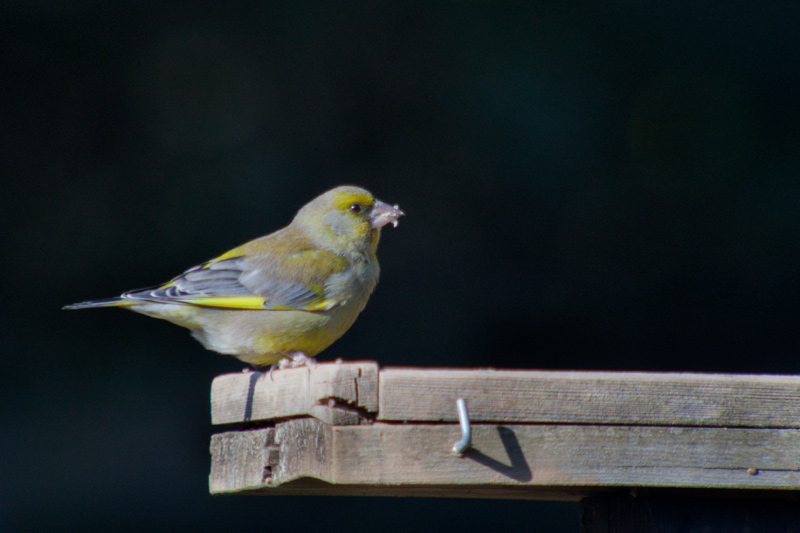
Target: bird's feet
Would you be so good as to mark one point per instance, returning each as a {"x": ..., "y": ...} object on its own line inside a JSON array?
[{"x": 293, "y": 360}]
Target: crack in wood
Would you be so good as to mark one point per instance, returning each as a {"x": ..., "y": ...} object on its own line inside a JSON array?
[
  {"x": 341, "y": 404},
  {"x": 272, "y": 456}
]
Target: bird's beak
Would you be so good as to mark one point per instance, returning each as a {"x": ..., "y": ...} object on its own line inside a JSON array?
[{"x": 383, "y": 213}]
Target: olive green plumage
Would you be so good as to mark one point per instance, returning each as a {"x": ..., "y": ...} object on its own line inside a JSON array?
[{"x": 282, "y": 297}]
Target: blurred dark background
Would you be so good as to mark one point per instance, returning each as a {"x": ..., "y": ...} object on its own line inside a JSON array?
[{"x": 600, "y": 185}]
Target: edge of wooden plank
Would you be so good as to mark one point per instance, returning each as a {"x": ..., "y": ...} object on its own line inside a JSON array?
[{"x": 315, "y": 487}]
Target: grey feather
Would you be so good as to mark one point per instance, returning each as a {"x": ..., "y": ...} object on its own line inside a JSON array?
[{"x": 229, "y": 277}]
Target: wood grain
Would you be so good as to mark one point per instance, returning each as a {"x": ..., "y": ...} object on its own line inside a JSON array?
[
  {"x": 637, "y": 398},
  {"x": 338, "y": 394}
]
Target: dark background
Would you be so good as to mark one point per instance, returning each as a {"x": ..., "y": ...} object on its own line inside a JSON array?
[{"x": 608, "y": 185}]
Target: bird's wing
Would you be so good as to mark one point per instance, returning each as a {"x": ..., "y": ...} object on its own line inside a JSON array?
[{"x": 296, "y": 280}]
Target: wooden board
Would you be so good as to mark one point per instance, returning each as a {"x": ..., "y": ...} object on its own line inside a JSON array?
[
  {"x": 637, "y": 398},
  {"x": 542, "y": 459},
  {"x": 536, "y": 434},
  {"x": 332, "y": 392},
  {"x": 351, "y": 393}
]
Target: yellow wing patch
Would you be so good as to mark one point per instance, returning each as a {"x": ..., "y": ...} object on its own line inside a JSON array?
[
  {"x": 227, "y": 302},
  {"x": 251, "y": 302}
]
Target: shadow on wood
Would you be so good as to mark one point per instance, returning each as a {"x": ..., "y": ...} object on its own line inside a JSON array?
[{"x": 518, "y": 469}]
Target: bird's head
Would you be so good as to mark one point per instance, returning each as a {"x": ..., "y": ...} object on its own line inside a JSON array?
[{"x": 347, "y": 218}]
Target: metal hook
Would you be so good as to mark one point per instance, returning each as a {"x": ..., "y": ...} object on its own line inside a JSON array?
[{"x": 465, "y": 442}]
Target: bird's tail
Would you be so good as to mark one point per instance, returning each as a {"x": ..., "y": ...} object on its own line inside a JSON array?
[{"x": 105, "y": 302}]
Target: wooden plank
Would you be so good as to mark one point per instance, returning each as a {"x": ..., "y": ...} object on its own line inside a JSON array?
[
  {"x": 541, "y": 457},
  {"x": 338, "y": 394},
  {"x": 640, "y": 398}
]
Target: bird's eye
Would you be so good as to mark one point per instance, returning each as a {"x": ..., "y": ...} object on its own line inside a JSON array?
[{"x": 355, "y": 208}]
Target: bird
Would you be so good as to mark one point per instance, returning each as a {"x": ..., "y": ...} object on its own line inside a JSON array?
[{"x": 279, "y": 300}]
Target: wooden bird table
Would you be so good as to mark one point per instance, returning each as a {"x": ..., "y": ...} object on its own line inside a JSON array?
[{"x": 639, "y": 449}]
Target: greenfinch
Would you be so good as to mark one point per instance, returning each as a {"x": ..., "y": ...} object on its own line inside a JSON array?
[{"x": 281, "y": 299}]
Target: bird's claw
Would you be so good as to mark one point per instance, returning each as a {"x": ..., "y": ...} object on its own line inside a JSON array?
[{"x": 293, "y": 360}]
